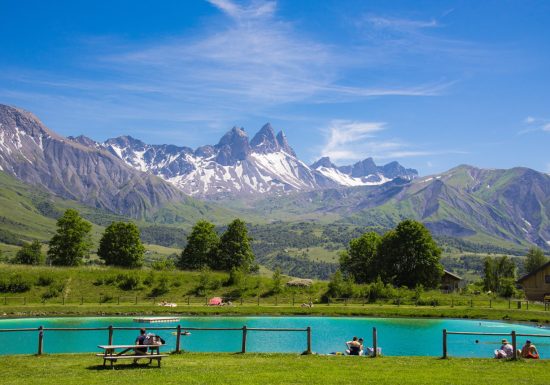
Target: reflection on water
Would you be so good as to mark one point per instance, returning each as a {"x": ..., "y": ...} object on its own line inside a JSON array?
[{"x": 396, "y": 336}]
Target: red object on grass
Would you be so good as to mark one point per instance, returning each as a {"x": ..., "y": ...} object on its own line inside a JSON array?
[{"x": 215, "y": 301}]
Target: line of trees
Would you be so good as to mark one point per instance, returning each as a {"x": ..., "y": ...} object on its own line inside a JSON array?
[{"x": 405, "y": 256}]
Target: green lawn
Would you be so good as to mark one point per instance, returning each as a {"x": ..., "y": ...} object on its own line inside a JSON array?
[{"x": 225, "y": 368}]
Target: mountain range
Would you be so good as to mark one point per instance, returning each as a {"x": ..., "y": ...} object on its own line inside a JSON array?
[{"x": 264, "y": 178}]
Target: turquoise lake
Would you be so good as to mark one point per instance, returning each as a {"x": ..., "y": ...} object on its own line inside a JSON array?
[{"x": 396, "y": 336}]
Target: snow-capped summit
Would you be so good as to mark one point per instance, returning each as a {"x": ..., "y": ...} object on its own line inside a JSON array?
[{"x": 235, "y": 166}]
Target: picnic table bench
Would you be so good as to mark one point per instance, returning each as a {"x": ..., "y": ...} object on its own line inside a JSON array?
[{"x": 110, "y": 353}]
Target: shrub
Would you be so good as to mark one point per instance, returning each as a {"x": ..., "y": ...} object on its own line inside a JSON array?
[
  {"x": 15, "y": 284},
  {"x": 45, "y": 279},
  {"x": 128, "y": 281},
  {"x": 53, "y": 291},
  {"x": 163, "y": 265},
  {"x": 161, "y": 288},
  {"x": 149, "y": 279}
]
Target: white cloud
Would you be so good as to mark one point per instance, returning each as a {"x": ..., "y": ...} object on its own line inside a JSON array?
[
  {"x": 535, "y": 124},
  {"x": 350, "y": 141}
]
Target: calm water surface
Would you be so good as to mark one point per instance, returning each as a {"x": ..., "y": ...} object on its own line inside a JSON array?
[{"x": 396, "y": 336}]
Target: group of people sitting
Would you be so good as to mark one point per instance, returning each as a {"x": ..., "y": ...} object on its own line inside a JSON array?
[
  {"x": 355, "y": 347},
  {"x": 507, "y": 350}
]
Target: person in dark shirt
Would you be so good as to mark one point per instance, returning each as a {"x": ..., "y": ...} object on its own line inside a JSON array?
[{"x": 140, "y": 340}]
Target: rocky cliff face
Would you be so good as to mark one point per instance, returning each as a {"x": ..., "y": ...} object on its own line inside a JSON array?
[{"x": 76, "y": 169}]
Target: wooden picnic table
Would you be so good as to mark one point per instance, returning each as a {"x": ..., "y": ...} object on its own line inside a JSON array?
[{"x": 110, "y": 353}]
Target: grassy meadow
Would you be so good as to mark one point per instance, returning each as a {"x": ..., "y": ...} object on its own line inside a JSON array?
[{"x": 222, "y": 368}]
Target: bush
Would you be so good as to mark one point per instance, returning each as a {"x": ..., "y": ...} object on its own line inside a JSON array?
[
  {"x": 161, "y": 288},
  {"x": 15, "y": 284},
  {"x": 53, "y": 291},
  {"x": 149, "y": 279},
  {"x": 128, "y": 282},
  {"x": 45, "y": 280},
  {"x": 163, "y": 265}
]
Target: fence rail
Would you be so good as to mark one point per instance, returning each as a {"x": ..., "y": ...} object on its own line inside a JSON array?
[
  {"x": 293, "y": 300},
  {"x": 512, "y": 334},
  {"x": 178, "y": 329}
]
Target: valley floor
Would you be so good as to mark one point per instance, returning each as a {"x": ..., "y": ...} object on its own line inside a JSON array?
[{"x": 195, "y": 368}]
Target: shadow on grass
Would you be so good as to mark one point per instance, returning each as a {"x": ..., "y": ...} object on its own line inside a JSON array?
[{"x": 130, "y": 366}]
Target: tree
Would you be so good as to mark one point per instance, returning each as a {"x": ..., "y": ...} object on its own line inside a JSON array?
[
  {"x": 534, "y": 259},
  {"x": 276, "y": 282},
  {"x": 496, "y": 271},
  {"x": 358, "y": 261},
  {"x": 30, "y": 254},
  {"x": 409, "y": 256},
  {"x": 121, "y": 245},
  {"x": 336, "y": 285},
  {"x": 202, "y": 247},
  {"x": 72, "y": 240},
  {"x": 235, "y": 249}
]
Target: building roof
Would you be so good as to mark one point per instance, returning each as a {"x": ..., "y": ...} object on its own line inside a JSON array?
[
  {"x": 452, "y": 275},
  {"x": 534, "y": 272}
]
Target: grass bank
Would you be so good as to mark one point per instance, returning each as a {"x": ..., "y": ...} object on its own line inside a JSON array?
[
  {"x": 369, "y": 310},
  {"x": 224, "y": 368}
]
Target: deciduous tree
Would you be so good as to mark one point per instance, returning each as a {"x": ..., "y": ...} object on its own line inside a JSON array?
[
  {"x": 235, "y": 249},
  {"x": 121, "y": 245},
  {"x": 202, "y": 247},
  {"x": 72, "y": 242},
  {"x": 30, "y": 254}
]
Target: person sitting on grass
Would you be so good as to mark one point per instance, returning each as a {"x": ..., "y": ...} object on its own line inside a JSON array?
[
  {"x": 529, "y": 351},
  {"x": 361, "y": 347},
  {"x": 506, "y": 350},
  {"x": 354, "y": 347}
]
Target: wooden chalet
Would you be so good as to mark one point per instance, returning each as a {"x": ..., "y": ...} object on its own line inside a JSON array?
[
  {"x": 537, "y": 284},
  {"x": 450, "y": 282}
]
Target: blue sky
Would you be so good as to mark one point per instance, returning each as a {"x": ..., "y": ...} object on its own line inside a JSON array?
[{"x": 431, "y": 84}]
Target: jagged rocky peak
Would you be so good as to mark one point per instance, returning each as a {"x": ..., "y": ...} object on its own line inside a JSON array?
[
  {"x": 126, "y": 141},
  {"x": 265, "y": 141},
  {"x": 323, "y": 162},
  {"x": 364, "y": 168},
  {"x": 18, "y": 119},
  {"x": 83, "y": 140},
  {"x": 233, "y": 147},
  {"x": 283, "y": 144},
  {"x": 394, "y": 170}
]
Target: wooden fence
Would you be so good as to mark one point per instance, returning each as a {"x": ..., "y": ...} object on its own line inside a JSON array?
[
  {"x": 178, "y": 330},
  {"x": 513, "y": 335},
  {"x": 291, "y": 300}
]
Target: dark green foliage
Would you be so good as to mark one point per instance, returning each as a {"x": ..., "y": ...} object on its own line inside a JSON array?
[
  {"x": 299, "y": 267},
  {"x": 409, "y": 256},
  {"x": 534, "y": 259},
  {"x": 165, "y": 264},
  {"x": 121, "y": 245},
  {"x": 16, "y": 283},
  {"x": 30, "y": 254},
  {"x": 359, "y": 260},
  {"x": 235, "y": 250},
  {"x": 336, "y": 285},
  {"x": 496, "y": 271},
  {"x": 161, "y": 288},
  {"x": 204, "y": 282},
  {"x": 71, "y": 243},
  {"x": 128, "y": 281},
  {"x": 45, "y": 280},
  {"x": 53, "y": 291},
  {"x": 163, "y": 236},
  {"x": 202, "y": 247}
]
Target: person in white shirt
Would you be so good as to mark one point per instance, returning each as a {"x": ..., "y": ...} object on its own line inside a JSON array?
[{"x": 505, "y": 351}]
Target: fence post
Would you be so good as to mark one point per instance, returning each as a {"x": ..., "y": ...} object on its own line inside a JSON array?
[
  {"x": 374, "y": 342},
  {"x": 241, "y": 301},
  {"x": 178, "y": 338},
  {"x": 490, "y": 303},
  {"x": 471, "y": 302},
  {"x": 293, "y": 299},
  {"x": 40, "y": 339},
  {"x": 118, "y": 300},
  {"x": 345, "y": 302},
  {"x": 328, "y": 301},
  {"x": 509, "y": 303},
  {"x": 205, "y": 300},
  {"x": 136, "y": 299},
  {"x": 243, "y": 346},
  {"x": 110, "y": 335},
  {"x": 82, "y": 300},
  {"x": 308, "y": 351},
  {"x": 258, "y": 300},
  {"x": 452, "y": 302},
  {"x": 63, "y": 298},
  {"x": 514, "y": 344},
  {"x": 527, "y": 304},
  {"x": 444, "y": 343}
]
